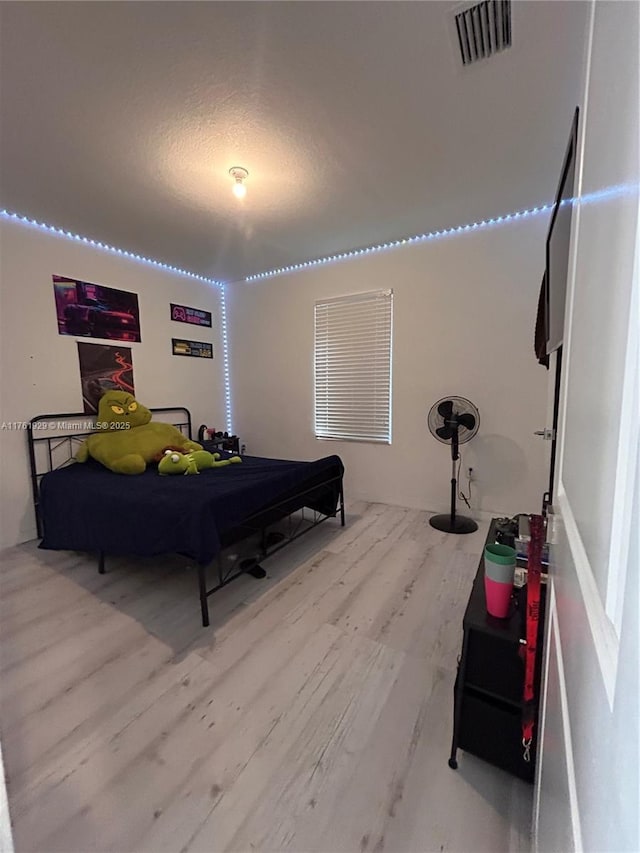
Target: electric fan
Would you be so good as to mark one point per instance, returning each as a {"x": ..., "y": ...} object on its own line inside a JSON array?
[{"x": 454, "y": 421}]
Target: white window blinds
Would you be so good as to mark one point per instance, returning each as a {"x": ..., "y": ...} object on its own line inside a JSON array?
[{"x": 353, "y": 338}]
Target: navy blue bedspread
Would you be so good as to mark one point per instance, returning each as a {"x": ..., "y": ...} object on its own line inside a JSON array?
[{"x": 86, "y": 507}]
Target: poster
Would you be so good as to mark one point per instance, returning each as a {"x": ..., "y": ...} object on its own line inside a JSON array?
[
  {"x": 103, "y": 368},
  {"x": 94, "y": 311},
  {"x": 198, "y": 349},
  {"x": 184, "y": 314}
]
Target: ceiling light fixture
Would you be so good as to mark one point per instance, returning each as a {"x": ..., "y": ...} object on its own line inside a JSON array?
[{"x": 239, "y": 175}]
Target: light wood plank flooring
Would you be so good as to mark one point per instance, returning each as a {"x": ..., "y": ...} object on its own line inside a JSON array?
[{"x": 314, "y": 715}]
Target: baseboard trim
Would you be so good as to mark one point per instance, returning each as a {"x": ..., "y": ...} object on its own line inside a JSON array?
[{"x": 574, "y": 810}]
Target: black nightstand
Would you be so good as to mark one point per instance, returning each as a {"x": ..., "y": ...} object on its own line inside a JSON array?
[
  {"x": 488, "y": 691},
  {"x": 232, "y": 444}
]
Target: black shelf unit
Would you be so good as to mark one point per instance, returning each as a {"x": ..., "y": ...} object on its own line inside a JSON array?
[{"x": 488, "y": 704}]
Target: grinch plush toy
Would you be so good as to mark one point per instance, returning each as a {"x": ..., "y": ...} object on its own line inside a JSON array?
[
  {"x": 127, "y": 440},
  {"x": 192, "y": 463}
]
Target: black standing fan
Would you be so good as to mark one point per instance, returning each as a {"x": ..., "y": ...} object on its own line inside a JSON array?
[{"x": 453, "y": 420}]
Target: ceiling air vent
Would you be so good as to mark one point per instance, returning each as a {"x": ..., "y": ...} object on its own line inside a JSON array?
[{"x": 483, "y": 29}]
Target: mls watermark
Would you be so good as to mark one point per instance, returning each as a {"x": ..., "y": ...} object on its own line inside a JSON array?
[{"x": 74, "y": 426}]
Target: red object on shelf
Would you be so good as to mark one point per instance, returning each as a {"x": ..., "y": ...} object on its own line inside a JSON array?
[
  {"x": 536, "y": 523},
  {"x": 498, "y": 597}
]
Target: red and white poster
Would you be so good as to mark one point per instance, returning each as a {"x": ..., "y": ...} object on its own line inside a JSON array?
[{"x": 103, "y": 368}]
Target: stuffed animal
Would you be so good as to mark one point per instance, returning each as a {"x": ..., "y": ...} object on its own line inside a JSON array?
[
  {"x": 192, "y": 463},
  {"x": 127, "y": 440}
]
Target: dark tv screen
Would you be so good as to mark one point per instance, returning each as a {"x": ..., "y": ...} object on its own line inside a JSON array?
[{"x": 557, "y": 250}]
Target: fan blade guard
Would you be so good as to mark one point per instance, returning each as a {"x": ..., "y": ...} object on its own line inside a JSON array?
[{"x": 451, "y": 414}]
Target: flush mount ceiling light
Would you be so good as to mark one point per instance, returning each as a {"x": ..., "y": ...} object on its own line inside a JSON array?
[{"x": 239, "y": 175}]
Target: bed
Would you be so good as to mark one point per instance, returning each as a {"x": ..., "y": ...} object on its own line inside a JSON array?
[{"x": 86, "y": 507}]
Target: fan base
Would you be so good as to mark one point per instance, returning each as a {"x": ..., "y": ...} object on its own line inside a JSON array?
[{"x": 460, "y": 524}]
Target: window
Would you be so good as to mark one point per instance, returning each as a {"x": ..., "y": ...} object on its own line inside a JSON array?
[{"x": 353, "y": 336}]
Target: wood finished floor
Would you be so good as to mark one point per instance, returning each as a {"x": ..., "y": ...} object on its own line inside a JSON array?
[{"x": 314, "y": 715}]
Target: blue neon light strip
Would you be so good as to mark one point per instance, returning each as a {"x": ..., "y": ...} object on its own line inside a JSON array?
[
  {"x": 404, "y": 241},
  {"x": 96, "y": 244},
  {"x": 225, "y": 358},
  {"x": 601, "y": 195}
]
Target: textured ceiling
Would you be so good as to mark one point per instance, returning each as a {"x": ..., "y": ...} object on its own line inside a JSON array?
[{"x": 356, "y": 122}]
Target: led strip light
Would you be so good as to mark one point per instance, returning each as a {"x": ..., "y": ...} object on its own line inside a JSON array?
[
  {"x": 601, "y": 195},
  {"x": 611, "y": 192},
  {"x": 403, "y": 241},
  {"x": 225, "y": 359},
  {"x": 123, "y": 253},
  {"x": 60, "y": 232}
]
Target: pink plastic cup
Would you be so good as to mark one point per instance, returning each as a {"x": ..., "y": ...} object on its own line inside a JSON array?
[{"x": 498, "y": 597}]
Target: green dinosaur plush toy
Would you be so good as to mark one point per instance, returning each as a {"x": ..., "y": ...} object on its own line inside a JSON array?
[
  {"x": 192, "y": 463},
  {"x": 127, "y": 440}
]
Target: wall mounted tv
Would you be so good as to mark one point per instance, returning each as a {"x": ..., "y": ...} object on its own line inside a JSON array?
[{"x": 557, "y": 249}]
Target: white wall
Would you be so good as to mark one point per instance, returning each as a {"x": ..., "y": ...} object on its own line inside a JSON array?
[
  {"x": 464, "y": 312},
  {"x": 40, "y": 371},
  {"x": 589, "y": 788}
]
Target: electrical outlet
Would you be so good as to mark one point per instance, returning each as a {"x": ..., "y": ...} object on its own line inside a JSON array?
[{"x": 470, "y": 474}]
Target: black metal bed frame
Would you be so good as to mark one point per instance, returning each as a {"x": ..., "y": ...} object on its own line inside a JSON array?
[
  {"x": 71, "y": 441},
  {"x": 257, "y": 523}
]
